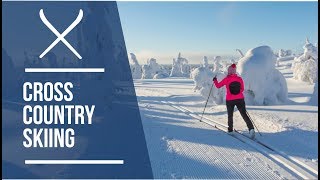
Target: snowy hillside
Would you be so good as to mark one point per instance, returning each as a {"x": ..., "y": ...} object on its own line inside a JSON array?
[{"x": 180, "y": 146}]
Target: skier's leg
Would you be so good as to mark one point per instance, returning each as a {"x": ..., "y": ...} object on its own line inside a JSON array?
[
  {"x": 242, "y": 109},
  {"x": 230, "y": 109}
]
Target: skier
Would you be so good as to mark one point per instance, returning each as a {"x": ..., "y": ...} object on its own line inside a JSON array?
[{"x": 234, "y": 97}]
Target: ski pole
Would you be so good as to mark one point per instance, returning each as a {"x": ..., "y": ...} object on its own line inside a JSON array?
[
  {"x": 253, "y": 122},
  {"x": 206, "y": 102}
]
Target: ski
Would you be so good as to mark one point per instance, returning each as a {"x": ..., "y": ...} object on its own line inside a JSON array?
[{"x": 254, "y": 139}]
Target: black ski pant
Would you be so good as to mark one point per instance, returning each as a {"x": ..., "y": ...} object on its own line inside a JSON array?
[{"x": 242, "y": 109}]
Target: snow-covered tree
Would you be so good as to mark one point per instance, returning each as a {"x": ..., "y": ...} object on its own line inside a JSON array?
[
  {"x": 288, "y": 52},
  {"x": 136, "y": 70},
  {"x": 205, "y": 62},
  {"x": 180, "y": 67},
  {"x": 284, "y": 55},
  {"x": 305, "y": 67},
  {"x": 264, "y": 84},
  {"x": 217, "y": 67},
  {"x": 161, "y": 74},
  {"x": 152, "y": 70},
  {"x": 202, "y": 77},
  {"x": 310, "y": 50},
  {"x": 281, "y": 53}
]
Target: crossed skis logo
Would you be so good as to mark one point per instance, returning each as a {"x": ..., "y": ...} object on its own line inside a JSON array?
[{"x": 60, "y": 37}]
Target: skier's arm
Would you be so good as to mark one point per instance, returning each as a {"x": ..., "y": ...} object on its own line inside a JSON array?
[{"x": 219, "y": 84}]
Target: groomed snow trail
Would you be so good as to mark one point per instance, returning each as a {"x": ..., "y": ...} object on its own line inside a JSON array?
[{"x": 182, "y": 147}]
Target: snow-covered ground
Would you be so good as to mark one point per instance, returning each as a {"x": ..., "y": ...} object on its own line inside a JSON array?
[{"x": 182, "y": 147}]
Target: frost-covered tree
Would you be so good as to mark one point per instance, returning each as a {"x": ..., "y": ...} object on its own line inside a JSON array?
[
  {"x": 136, "y": 70},
  {"x": 202, "y": 77},
  {"x": 283, "y": 55},
  {"x": 305, "y": 67},
  {"x": 180, "y": 67},
  {"x": 205, "y": 62},
  {"x": 150, "y": 69},
  {"x": 217, "y": 67},
  {"x": 264, "y": 84},
  {"x": 161, "y": 74},
  {"x": 185, "y": 68}
]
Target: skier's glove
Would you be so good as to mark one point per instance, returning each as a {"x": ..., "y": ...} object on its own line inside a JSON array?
[{"x": 214, "y": 78}]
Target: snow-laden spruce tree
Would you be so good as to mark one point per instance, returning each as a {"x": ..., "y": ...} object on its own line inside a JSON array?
[
  {"x": 284, "y": 55},
  {"x": 150, "y": 69},
  {"x": 180, "y": 67},
  {"x": 217, "y": 67},
  {"x": 161, "y": 73},
  {"x": 136, "y": 69},
  {"x": 205, "y": 63},
  {"x": 202, "y": 77},
  {"x": 305, "y": 67},
  {"x": 264, "y": 84}
]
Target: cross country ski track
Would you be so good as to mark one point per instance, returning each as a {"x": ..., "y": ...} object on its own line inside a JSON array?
[
  {"x": 207, "y": 151},
  {"x": 299, "y": 168},
  {"x": 188, "y": 148}
]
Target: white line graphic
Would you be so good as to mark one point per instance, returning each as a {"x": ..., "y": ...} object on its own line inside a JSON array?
[
  {"x": 60, "y": 36},
  {"x": 74, "y": 161},
  {"x": 60, "y": 70}
]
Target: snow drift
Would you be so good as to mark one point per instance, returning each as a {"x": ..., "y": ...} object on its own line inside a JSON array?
[
  {"x": 305, "y": 67},
  {"x": 264, "y": 84}
]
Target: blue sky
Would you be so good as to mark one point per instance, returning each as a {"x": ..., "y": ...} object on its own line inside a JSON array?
[{"x": 162, "y": 29}]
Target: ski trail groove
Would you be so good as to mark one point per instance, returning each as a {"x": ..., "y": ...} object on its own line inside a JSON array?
[
  {"x": 222, "y": 159},
  {"x": 253, "y": 177},
  {"x": 290, "y": 158},
  {"x": 280, "y": 158}
]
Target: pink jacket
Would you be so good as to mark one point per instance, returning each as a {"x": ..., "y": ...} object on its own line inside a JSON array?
[{"x": 226, "y": 82}]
